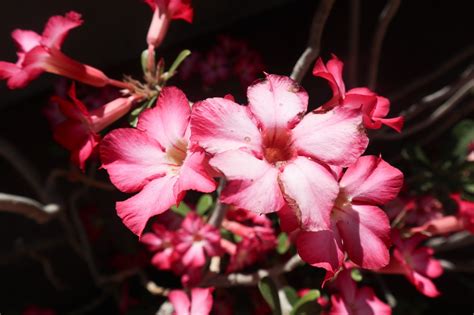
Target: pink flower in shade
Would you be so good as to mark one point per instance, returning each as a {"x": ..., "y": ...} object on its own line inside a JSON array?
[
  {"x": 374, "y": 107},
  {"x": 156, "y": 159},
  {"x": 464, "y": 220},
  {"x": 358, "y": 226},
  {"x": 197, "y": 240},
  {"x": 214, "y": 68},
  {"x": 162, "y": 242},
  {"x": 198, "y": 303},
  {"x": 163, "y": 12},
  {"x": 415, "y": 262},
  {"x": 268, "y": 151},
  {"x": 79, "y": 132},
  {"x": 415, "y": 210},
  {"x": 41, "y": 53},
  {"x": 351, "y": 300}
]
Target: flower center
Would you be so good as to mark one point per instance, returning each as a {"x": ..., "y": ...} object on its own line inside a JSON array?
[
  {"x": 277, "y": 146},
  {"x": 177, "y": 152},
  {"x": 342, "y": 205}
]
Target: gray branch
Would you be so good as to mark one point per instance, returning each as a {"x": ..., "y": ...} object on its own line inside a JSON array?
[{"x": 27, "y": 207}]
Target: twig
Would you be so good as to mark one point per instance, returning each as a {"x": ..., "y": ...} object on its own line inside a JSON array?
[
  {"x": 27, "y": 207},
  {"x": 458, "y": 266},
  {"x": 385, "y": 18},
  {"x": 457, "y": 240},
  {"x": 75, "y": 176},
  {"x": 354, "y": 26},
  {"x": 47, "y": 269},
  {"x": 440, "y": 70},
  {"x": 314, "y": 43},
  {"x": 155, "y": 289},
  {"x": 220, "y": 210}
]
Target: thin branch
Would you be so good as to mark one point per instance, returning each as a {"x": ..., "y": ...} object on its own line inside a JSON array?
[
  {"x": 385, "y": 18},
  {"x": 220, "y": 210},
  {"x": 75, "y": 176},
  {"x": 27, "y": 207},
  {"x": 314, "y": 43},
  {"x": 48, "y": 269},
  {"x": 354, "y": 34}
]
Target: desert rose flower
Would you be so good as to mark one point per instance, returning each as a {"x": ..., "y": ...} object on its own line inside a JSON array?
[
  {"x": 351, "y": 300},
  {"x": 79, "y": 132},
  {"x": 163, "y": 12},
  {"x": 358, "y": 226},
  {"x": 374, "y": 107},
  {"x": 269, "y": 152},
  {"x": 198, "y": 303},
  {"x": 156, "y": 159},
  {"x": 415, "y": 262},
  {"x": 162, "y": 242},
  {"x": 42, "y": 53}
]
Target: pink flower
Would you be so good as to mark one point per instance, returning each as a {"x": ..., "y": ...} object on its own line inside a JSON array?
[
  {"x": 374, "y": 107},
  {"x": 199, "y": 303},
  {"x": 79, "y": 132},
  {"x": 41, "y": 53},
  {"x": 358, "y": 226},
  {"x": 415, "y": 210},
  {"x": 351, "y": 300},
  {"x": 214, "y": 68},
  {"x": 268, "y": 151},
  {"x": 157, "y": 160},
  {"x": 197, "y": 240},
  {"x": 163, "y": 12},
  {"x": 415, "y": 262},
  {"x": 161, "y": 241}
]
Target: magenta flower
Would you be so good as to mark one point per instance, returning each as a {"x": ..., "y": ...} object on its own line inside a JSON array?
[
  {"x": 351, "y": 300},
  {"x": 41, "y": 53},
  {"x": 156, "y": 159},
  {"x": 415, "y": 262},
  {"x": 197, "y": 240},
  {"x": 358, "y": 226},
  {"x": 199, "y": 303},
  {"x": 162, "y": 242},
  {"x": 79, "y": 132},
  {"x": 268, "y": 151},
  {"x": 374, "y": 107}
]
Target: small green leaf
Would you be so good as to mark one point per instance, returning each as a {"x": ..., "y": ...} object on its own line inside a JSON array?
[
  {"x": 270, "y": 294},
  {"x": 133, "y": 118},
  {"x": 177, "y": 62},
  {"x": 291, "y": 295},
  {"x": 356, "y": 275},
  {"x": 144, "y": 60},
  {"x": 283, "y": 243},
  {"x": 204, "y": 204},
  {"x": 182, "y": 209},
  {"x": 307, "y": 305}
]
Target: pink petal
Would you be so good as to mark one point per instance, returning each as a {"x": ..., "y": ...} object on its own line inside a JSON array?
[
  {"x": 395, "y": 123},
  {"x": 277, "y": 102},
  {"x": 132, "y": 159},
  {"x": 218, "y": 125},
  {"x": 321, "y": 249},
  {"x": 193, "y": 174},
  {"x": 288, "y": 219},
  {"x": 311, "y": 190},
  {"x": 423, "y": 262},
  {"x": 338, "y": 306},
  {"x": 163, "y": 260},
  {"x": 253, "y": 183},
  {"x": 201, "y": 301},
  {"x": 58, "y": 27},
  {"x": 335, "y": 137},
  {"x": 335, "y": 67},
  {"x": 368, "y": 303},
  {"x": 321, "y": 71},
  {"x": 156, "y": 197},
  {"x": 194, "y": 256},
  {"x": 181, "y": 9},
  {"x": 372, "y": 180},
  {"x": 168, "y": 121},
  {"x": 365, "y": 231},
  {"x": 26, "y": 40},
  {"x": 424, "y": 285},
  {"x": 180, "y": 301}
]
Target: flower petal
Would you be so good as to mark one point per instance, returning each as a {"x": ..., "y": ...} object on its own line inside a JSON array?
[
  {"x": 26, "y": 40},
  {"x": 201, "y": 301},
  {"x": 277, "y": 102},
  {"x": 371, "y": 180},
  {"x": 311, "y": 190},
  {"x": 218, "y": 125},
  {"x": 180, "y": 301},
  {"x": 193, "y": 174},
  {"x": 131, "y": 158},
  {"x": 58, "y": 27},
  {"x": 424, "y": 285},
  {"x": 336, "y": 137}
]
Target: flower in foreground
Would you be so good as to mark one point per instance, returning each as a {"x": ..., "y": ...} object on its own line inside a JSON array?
[
  {"x": 156, "y": 159},
  {"x": 415, "y": 262},
  {"x": 199, "y": 302},
  {"x": 351, "y": 300},
  {"x": 374, "y": 107},
  {"x": 358, "y": 226},
  {"x": 79, "y": 132},
  {"x": 269, "y": 152},
  {"x": 42, "y": 53}
]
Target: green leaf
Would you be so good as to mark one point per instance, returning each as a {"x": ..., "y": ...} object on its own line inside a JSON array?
[
  {"x": 270, "y": 294},
  {"x": 356, "y": 275},
  {"x": 177, "y": 62},
  {"x": 463, "y": 133},
  {"x": 182, "y": 209},
  {"x": 307, "y": 305},
  {"x": 291, "y": 295},
  {"x": 144, "y": 60},
  {"x": 133, "y": 118},
  {"x": 283, "y": 243},
  {"x": 204, "y": 204}
]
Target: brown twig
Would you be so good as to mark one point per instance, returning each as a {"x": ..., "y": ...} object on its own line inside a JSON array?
[
  {"x": 27, "y": 207},
  {"x": 75, "y": 176},
  {"x": 385, "y": 18},
  {"x": 220, "y": 210},
  {"x": 314, "y": 42}
]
